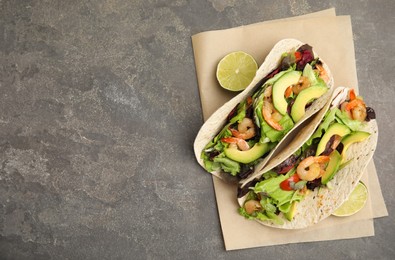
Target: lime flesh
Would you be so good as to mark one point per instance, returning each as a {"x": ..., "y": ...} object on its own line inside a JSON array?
[{"x": 236, "y": 71}]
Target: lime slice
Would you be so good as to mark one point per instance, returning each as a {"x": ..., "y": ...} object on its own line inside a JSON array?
[
  {"x": 355, "y": 202},
  {"x": 236, "y": 70}
]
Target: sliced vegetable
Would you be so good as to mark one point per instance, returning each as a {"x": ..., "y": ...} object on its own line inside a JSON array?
[{"x": 289, "y": 183}]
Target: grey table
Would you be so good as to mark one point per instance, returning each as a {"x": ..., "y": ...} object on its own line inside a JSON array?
[{"x": 99, "y": 107}]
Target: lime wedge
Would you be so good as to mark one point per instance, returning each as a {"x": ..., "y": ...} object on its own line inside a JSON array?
[
  {"x": 236, "y": 70},
  {"x": 355, "y": 202}
]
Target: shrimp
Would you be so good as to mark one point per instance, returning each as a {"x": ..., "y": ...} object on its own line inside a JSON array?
[
  {"x": 245, "y": 129},
  {"x": 268, "y": 92},
  {"x": 322, "y": 73},
  {"x": 251, "y": 206},
  {"x": 352, "y": 94},
  {"x": 302, "y": 84},
  {"x": 355, "y": 109},
  {"x": 311, "y": 167},
  {"x": 241, "y": 143},
  {"x": 271, "y": 115},
  {"x": 288, "y": 91},
  {"x": 359, "y": 113},
  {"x": 358, "y": 109}
]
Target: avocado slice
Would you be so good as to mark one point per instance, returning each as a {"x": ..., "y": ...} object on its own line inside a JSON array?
[
  {"x": 334, "y": 129},
  {"x": 257, "y": 151},
  {"x": 354, "y": 137},
  {"x": 305, "y": 96},
  {"x": 292, "y": 211},
  {"x": 332, "y": 167},
  {"x": 279, "y": 87}
]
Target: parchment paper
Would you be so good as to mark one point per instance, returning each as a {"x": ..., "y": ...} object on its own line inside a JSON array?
[{"x": 331, "y": 38}]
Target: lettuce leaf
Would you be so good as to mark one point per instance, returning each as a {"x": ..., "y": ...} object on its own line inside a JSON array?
[
  {"x": 275, "y": 135},
  {"x": 228, "y": 165},
  {"x": 285, "y": 207},
  {"x": 309, "y": 73},
  {"x": 343, "y": 118},
  {"x": 225, "y": 132},
  {"x": 243, "y": 212},
  {"x": 271, "y": 187},
  {"x": 241, "y": 112},
  {"x": 262, "y": 216},
  {"x": 210, "y": 165},
  {"x": 328, "y": 119},
  {"x": 269, "y": 174}
]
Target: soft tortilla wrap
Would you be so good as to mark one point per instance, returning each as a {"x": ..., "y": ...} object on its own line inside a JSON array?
[
  {"x": 218, "y": 119},
  {"x": 323, "y": 201}
]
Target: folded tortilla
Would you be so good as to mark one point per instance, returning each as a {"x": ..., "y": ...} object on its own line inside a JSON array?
[
  {"x": 219, "y": 118},
  {"x": 323, "y": 201}
]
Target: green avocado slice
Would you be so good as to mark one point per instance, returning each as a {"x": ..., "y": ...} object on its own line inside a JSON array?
[
  {"x": 257, "y": 151},
  {"x": 334, "y": 129},
  {"x": 279, "y": 87},
  {"x": 305, "y": 96},
  {"x": 292, "y": 211},
  {"x": 332, "y": 168},
  {"x": 354, "y": 137}
]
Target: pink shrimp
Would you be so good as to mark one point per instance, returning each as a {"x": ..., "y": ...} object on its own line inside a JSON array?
[
  {"x": 311, "y": 167},
  {"x": 271, "y": 115},
  {"x": 245, "y": 129},
  {"x": 241, "y": 143}
]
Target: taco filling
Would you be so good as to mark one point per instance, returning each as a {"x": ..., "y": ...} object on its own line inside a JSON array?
[
  {"x": 312, "y": 166},
  {"x": 257, "y": 124}
]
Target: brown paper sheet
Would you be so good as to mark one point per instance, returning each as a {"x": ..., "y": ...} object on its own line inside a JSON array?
[{"x": 331, "y": 38}]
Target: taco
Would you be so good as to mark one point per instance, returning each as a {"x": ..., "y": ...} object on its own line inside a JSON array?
[
  {"x": 306, "y": 182},
  {"x": 291, "y": 85}
]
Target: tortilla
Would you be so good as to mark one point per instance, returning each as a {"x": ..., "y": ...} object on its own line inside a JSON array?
[
  {"x": 218, "y": 119},
  {"x": 320, "y": 203}
]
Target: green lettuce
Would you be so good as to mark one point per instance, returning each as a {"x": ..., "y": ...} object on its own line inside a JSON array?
[
  {"x": 210, "y": 165},
  {"x": 267, "y": 132},
  {"x": 243, "y": 212},
  {"x": 275, "y": 135},
  {"x": 328, "y": 119},
  {"x": 241, "y": 112},
  {"x": 271, "y": 187},
  {"x": 273, "y": 199},
  {"x": 269, "y": 174},
  {"x": 220, "y": 161},
  {"x": 342, "y": 117},
  {"x": 225, "y": 132},
  {"x": 228, "y": 165}
]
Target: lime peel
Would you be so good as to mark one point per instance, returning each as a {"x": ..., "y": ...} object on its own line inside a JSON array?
[{"x": 355, "y": 202}]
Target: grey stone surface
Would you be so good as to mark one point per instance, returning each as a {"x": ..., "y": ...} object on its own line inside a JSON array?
[{"x": 99, "y": 108}]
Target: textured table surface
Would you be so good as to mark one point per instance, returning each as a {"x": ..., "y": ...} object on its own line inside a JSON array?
[{"x": 99, "y": 107}]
